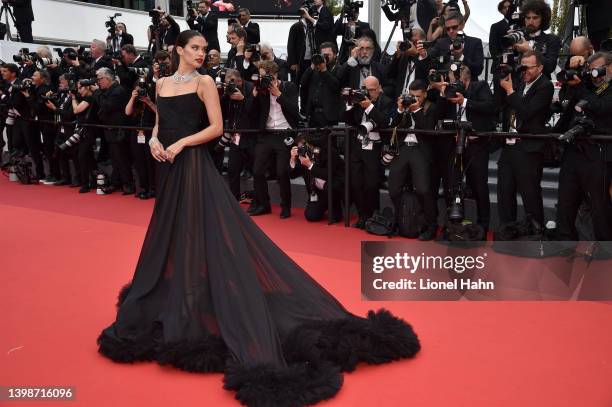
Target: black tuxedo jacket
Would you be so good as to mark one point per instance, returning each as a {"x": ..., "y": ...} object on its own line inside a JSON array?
[
  {"x": 111, "y": 104},
  {"x": 320, "y": 169},
  {"x": 381, "y": 114},
  {"x": 283, "y": 69},
  {"x": 252, "y": 30},
  {"x": 208, "y": 27},
  {"x": 324, "y": 29},
  {"x": 22, "y": 10},
  {"x": 329, "y": 88},
  {"x": 424, "y": 119},
  {"x": 473, "y": 55},
  {"x": 296, "y": 44},
  {"x": 498, "y": 30},
  {"x": 480, "y": 107},
  {"x": 288, "y": 101},
  {"x": 397, "y": 69},
  {"x": 532, "y": 111},
  {"x": 350, "y": 76},
  {"x": 245, "y": 112}
]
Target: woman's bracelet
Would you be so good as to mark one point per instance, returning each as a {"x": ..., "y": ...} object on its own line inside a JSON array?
[{"x": 153, "y": 139}]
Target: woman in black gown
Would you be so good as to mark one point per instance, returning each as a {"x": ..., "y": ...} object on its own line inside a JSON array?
[{"x": 212, "y": 293}]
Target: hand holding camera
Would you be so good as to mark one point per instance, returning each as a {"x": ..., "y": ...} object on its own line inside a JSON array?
[
  {"x": 274, "y": 88},
  {"x": 237, "y": 96}
]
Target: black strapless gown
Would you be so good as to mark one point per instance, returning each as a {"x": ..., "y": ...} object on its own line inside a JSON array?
[{"x": 212, "y": 293}]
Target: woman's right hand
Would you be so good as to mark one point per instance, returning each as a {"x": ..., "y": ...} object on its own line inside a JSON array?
[{"x": 157, "y": 150}]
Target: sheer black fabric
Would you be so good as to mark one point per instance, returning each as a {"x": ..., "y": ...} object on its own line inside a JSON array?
[{"x": 212, "y": 293}]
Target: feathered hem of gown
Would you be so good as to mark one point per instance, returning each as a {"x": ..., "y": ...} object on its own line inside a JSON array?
[{"x": 316, "y": 353}]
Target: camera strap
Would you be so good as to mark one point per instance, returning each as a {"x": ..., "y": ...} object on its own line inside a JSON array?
[{"x": 602, "y": 88}]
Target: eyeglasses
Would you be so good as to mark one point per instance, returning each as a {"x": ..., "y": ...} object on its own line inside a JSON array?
[
  {"x": 368, "y": 48},
  {"x": 452, "y": 27}
]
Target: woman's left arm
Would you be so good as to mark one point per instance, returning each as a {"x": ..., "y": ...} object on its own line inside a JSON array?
[{"x": 207, "y": 92}]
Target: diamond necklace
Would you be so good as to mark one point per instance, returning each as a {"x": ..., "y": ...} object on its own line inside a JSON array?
[{"x": 178, "y": 78}]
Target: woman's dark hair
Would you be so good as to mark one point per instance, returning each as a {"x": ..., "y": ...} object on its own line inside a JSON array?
[
  {"x": 540, "y": 8},
  {"x": 181, "y": 41}
]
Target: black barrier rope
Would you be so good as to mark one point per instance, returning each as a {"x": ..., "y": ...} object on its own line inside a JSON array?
[{"x": 331, "y": 132}]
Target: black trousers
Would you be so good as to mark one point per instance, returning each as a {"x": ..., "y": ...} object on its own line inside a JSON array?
[
  {"x": 49, "y": 134},
  {"x": 240, "y": 156},
  {"x": 520, "y": 171},
  {"x": 271, "y": 149},
  {"x": 144, "y": 163},
  {"x": 315, "y": 209},
  {"x": 413, "y": 167},
  {"x": 86, "y": 159},
  {"x": 25, "y": 31},
  {"x": 442, "y": 148},
  {"x": 365, "y": 178},
  {"x": 121, "y": 161},
  {"x": 476, "y": 166},
  {"x": 582, "y": 178}
]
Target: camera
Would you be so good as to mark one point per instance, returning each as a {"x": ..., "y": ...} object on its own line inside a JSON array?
[
  {"x": 43, "y": 62},
  {"x": 262, "y": 83},
  {"x": 363, "y": 131},
  {"x": 142, "y": 87},
  {"x": 255, "y": 49},
  {"x": 155, "y": 15},
  {"x": 353, "y": 96},
  {"x": 507, "y": 63},
  {"x": 438, "y": 75},
  {"x": 84, "y": 55},
  {"x": 310, "y": 7},
  {"x": 389, "y": 152},
  {"x": 408, "y": 100},
  {"x": 427, "y": 44},
  {"x": 512, "y": 38},
  {"x": 398, "y": 4},
  {"x": 139, "y": 71},
  {"x": 453, "y": 89},
  {"x": 224, "y": 142},
  {"x": 349, "y": 8},
  {"x": 25, "y": 85},
  {"x": 567, "y": 75},
  {"x": 462, "y": 129},
  {"x": 308, "y": 150},
  {"x": 111, "y": 24},
  {"x": 164, "y": 70},
  {"x": 71, "y": 54},
  {"x": 72, "y": 140},
  {"x": 458, "y": 41},
  {"x": 582, "y": 125},
  {"x": 25, "y": 55}
]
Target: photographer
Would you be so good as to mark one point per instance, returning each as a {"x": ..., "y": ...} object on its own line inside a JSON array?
[
  {"x": 251, "y": 28},
  {"x": 240, "y": 57},
  {"x": 436, "y": 25},
  {"x": 497, "y": 50},
  {"x": 349, "y": 28},
  {"x": 213, "y": 63},
  {"x": 323, "y": 102},
  {"x": 41, "y": 81},
  {"x": 111, "y": 99},
  {"x": 238, "y": 111},
  {"x": 537, "y": 16},
  {"x": 130, "y": 67},
  {"x": 299, "y": 50},
  {"x": 310, "y": 159},
  {"x": 13, "y": 101},
  {"x": 163, "y": 32},
  {"x": 521, "y": 161},
  {"x": 61, "y": 104},
  {"x": 84, "y": 107},
  {"x": 371, "y": 113},
  {"x": 205, "y": 22},
  {"x": 22, "y": 10},
  {"x": 360, "y": 65},
  {"x": 463, "y": 48},
  {"x": 162, "y": 66},
  {"x": 267, "y": 54},
  {"x": 473, "y": 102},
  {"x": 142, "y": 110},
  {"x": 277, "y": 104},
  {"x": 414, "y": 161},
  {"x": 586, "y": 165},
  {"x": 120, "y": 38},
  {"x": 407, "y": 64},
  {"x": 323, "y": 24},
  {"x": 88, "y": 62}
]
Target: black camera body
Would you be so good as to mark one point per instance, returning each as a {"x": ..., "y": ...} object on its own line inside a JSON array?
[
  {"x": 507, "y": 63},
  {"x": 582, "y": 126},
  {"x": 349, "y": 8},
  {"x": 25, "y": 85},
  {"x": 453, "y": 89},
  {"x": 459, "y": 41},
  {"x": 462, "y": 128},
  {"x": 408, "y": 100},
  {"x": 111, "y": 24},
  {"x": 262, "y": 82},
  {"x": 354, "y": 96},
  {"x": 310, "y": 6}
]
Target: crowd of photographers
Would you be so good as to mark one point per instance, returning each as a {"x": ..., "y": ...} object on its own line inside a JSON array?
[{"x": 431, "y": 82}]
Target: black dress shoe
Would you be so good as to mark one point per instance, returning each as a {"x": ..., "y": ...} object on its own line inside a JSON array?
[
  {"x": 142, "y": 195},
  {"x": 360, "y": 224},
  {"x": 285, "y": 213},
  {"x": 83, "y": 190},
  {"x": 261, "y": 210},
  {"x": 428, "y": 234}
]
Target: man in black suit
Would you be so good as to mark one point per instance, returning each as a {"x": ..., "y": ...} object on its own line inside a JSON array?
[
  {"x": 497, "y": 32},
  {"x": 585, "y": 167},
  {"x": 251, "y": 28},
  {"x": 111, "y": 99},
  {"x": 296, "y": 50},
  {"x": 323, "y": 24},
  {"x": 520, "y": 165},
  {"x": 360, "y": 65},
  {"x": 477, "y": 106},
  {"x": 120, "y": 38},
  {"x": 277, "y": 110},
  {"x": 313, "y": 167},
  {"x": 407, "y": 65},
  {"x": 470, "y": 53},
  {"x": 205, "y": 22},
  {"x": 537, "y": 16},
  {"x": 349, "y": 29},
  {"x": 371, "y": 114},
  {"x": 322, "y": 88},
  {"x": 130, "y": 59},
  {"x": 598, "y": 21},
  {"x": 267, "y": 54},
  {"x": 414, "y": 161},
  {"x": 22, "y": 10}
]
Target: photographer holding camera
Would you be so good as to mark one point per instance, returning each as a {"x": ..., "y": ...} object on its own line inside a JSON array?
[
  {"x": 141, "y": 109},
  {"x": 369, "y": 113},
  {"x": 14, "y": 101},
  {"x": 240, "y": 56},
  {"x": 414, "y": 159},
  {"x": 472, "y": 101},
  {"x": 161, "y": 67},
  {"x": 120, "y": 37},
  {"x": 267, "y": 54},
  {"x": 237, "y": 107},
  {"x": 111, "y": 99},
  {"x": 463, "y": 48},
  {"x": 277, "y": 104},
  {"x": 586, "y": 165},
  {"x": 130, "y": 67},
  {"x": 521, "y": 161},
  {"x": 310, "y": 159},
  {"x": 22, "y": 10},
  {"x": 323, "y": 103},
  {"x": 163, "y": 31},
  {"x": 251, "y": 28},
  {"x": 324, "y": 23},
  {"x": 84, "y": 107},
  {"x": 205, "y": 22},
  {"x": 407, "y": 64},
  {"x": 349, "y": 28},
  {"x": 360, "y": 65}
]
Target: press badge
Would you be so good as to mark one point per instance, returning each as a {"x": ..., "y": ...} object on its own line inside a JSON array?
[
  {"x": 141, "y": 137},
  {"x": 314, "y": 197},
  {"x": 62, "y": 130}
]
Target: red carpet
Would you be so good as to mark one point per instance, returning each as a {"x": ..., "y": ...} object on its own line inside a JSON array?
[{"x": 65, "y": 256}]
